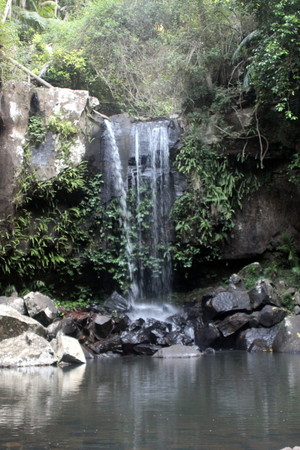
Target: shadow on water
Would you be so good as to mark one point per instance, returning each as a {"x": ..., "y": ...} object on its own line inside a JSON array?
[{"x": 232, "y": 400}]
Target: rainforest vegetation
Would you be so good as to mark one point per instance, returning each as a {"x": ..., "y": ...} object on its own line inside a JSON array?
[{"x": 202, "y": 59}]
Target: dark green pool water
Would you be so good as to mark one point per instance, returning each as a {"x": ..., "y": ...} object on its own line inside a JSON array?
[{"x": 228, "y": 401}]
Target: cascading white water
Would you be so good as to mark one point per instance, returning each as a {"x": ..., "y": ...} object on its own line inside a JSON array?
[
  {"x": 120, "y": 187},
  {"x": 151, "y": 176},
  {"x": 145, "y": 193}
]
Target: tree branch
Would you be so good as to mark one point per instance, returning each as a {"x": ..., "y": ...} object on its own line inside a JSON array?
[{"x": 33, "y": 75}]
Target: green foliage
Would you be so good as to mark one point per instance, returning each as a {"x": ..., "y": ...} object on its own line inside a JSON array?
[
  {"x": 204, "y": 215},
  {"x": 288, "y": 248},
  {"x": 288, "y": 302},
  {"x": 69, "y": 69},
  {"x": 62, "y": 236},
  {"x": 252, "y": 273},
  {"x": 65, "y": 133},
  {"x": 144, "y": 55},
  {"x": 63, "y": 128},
  {"x": 275, "y": 62},
  {"x": 36, "y": 131},
  {"x": 294, "y": 169},
  {"x": 9, "y": 44}
]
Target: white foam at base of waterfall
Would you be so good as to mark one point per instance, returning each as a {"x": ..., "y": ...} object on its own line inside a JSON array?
[{"x": 158, "y": 311}]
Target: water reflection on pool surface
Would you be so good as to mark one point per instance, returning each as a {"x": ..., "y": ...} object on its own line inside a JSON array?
[{"x": 231, "y": 400}]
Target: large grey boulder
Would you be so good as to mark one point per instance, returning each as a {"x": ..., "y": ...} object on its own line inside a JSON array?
[
  {"x": 287, "y": 339},
  {"x": 28, "y": 349},
  {"x": 66, "y": 326},
  {"x": 15, "y": 302},
  {"x": 12, "y": 323},
  {"x": 271, "y": 315},
  {"x": 177, "y": 351},
  {"x": 233, "y": 323},
  {"x": 68, "y": 350},
  {"x": 117, "y": 303},
  {"x": 227, "y": 301},
  {"x": 103, "y": 325},
  {"x": 40, "y": 307},
  {"x": 206, "y": 336},
  {"x": 248, "y": 338},
  {"x": 111, "y": 344},
  {"x": 264, "y": 293}
]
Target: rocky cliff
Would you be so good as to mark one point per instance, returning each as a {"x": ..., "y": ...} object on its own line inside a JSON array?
[
  {"x": 73, "y": 131},
  {"x": 21, "y": 102}
]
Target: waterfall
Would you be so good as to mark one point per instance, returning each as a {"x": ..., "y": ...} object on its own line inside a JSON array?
[
  {"x": 150, "y": 179},
  {"x": 120, "y": 188},
  {"x": 144, "y": 188}
]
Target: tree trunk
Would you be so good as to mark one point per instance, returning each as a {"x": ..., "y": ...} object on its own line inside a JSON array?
[{"x": 7, "y": 10}]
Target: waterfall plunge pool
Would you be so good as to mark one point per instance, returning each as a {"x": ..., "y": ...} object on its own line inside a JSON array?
[{"x": 231, "y": 401}]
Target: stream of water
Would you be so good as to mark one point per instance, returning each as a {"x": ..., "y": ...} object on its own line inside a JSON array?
[
  {"x": 229, "y": 401},
  {"x": 140, "y": 176}
]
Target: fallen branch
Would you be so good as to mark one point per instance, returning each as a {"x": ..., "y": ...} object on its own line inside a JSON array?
[
  {"x": 102, "y": 115},
  {"x": 33, "y": 75}
]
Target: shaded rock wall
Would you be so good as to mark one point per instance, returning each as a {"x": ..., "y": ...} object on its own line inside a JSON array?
[{"x": 265, "y": 216}]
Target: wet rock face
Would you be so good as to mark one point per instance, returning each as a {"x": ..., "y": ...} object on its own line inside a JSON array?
[
  {"x": 257, "y": 339},
  {"x": 233, "y": 323},
  {"x": 207, "y": 336},
  {"x": 271, "y": 315}
]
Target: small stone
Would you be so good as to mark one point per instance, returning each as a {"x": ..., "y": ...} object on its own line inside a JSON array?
[
  {"x": 297, "y": 310},
  {"x": 297, "y": 298}
]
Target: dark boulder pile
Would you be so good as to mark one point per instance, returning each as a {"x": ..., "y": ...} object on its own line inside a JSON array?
[{"x": 34, "y": 332}]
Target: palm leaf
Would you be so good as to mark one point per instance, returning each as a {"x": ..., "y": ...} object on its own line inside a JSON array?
[
  {"x": 31, "y": 16},
  {"x": 244, "y": 42}
]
